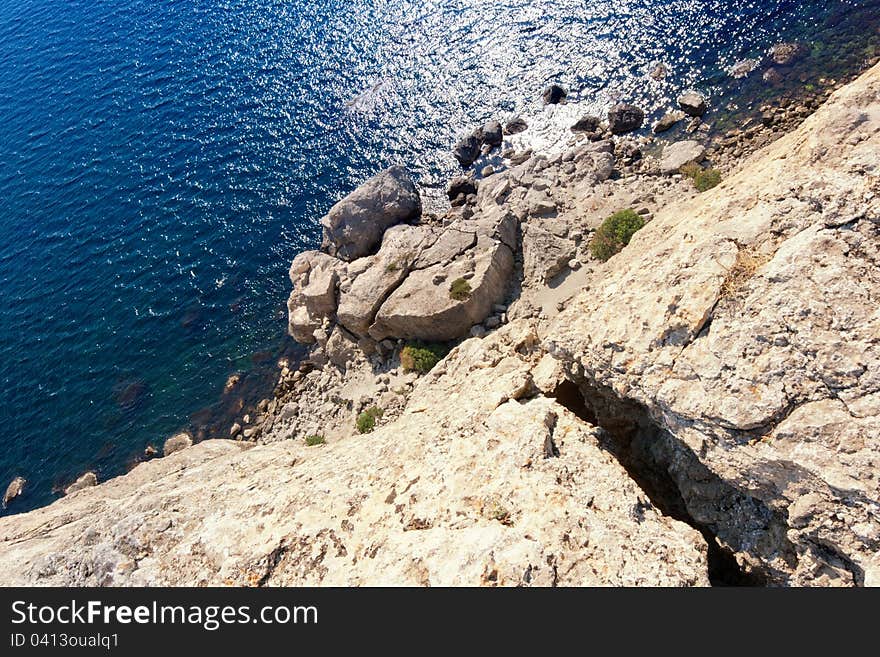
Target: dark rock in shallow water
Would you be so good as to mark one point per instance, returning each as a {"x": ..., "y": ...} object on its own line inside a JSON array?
[
  {"x": 786, "y": 54},
  {"x": 467, "y": 150},
  {"x": 354, "y": 226},
  {"x": 491, "y": 133},
  {"x": 13, "y": 490},
  {"x": 131, "y": 394},
  {"x": 668, "y": 121},
  {"x": 772, "y": 76},
  {"x": 692, "y": 103},
  {"x": 515, "y": 126},
  {"x": 587, "y": 124},
  {"x": 460, "y": 188},
  {"x": 625, "y": 118},
  {"x": 554, "y": 94}
]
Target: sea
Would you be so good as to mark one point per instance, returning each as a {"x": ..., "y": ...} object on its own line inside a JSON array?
[{"x": 163, "y": 161}]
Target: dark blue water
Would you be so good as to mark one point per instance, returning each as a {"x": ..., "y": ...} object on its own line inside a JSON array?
[{"x": 162, "y": 162}]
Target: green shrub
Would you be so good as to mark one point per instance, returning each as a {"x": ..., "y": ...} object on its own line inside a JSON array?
[
  {"x": 311, "y": 441},
  {"x": 421, "y": 357},
  {"x": 366, "y": 421},
  {"x": 615, "y": 233},
  {"x": 704, "y": 179},
  {"x": 460, "y": 289}
]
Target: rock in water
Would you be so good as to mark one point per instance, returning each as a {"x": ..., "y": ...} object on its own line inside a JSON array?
[
  {"x": 515, "y": 126},
  {"x": 786, "y": 54},
  {"x": 659, "y": 72},
  {"x": 13, "y": 490},
  {"x": 554, "y": 94},
  {"x": 467, "y": 150},
  {"x": 692, "y": 103},
  {"x": 587, "y": 124},
  {"x": 668, "y": 121},
  {"x": 88, "y": 480},
  {"x": 625, "y": 118},
  {"x": 743, "y": 68},
  {"x": 676, "y": 155},
  {"x": 176, "y": 443},
  {"x": 354, "y": 226},
  {"x": 491, "y": 133}
]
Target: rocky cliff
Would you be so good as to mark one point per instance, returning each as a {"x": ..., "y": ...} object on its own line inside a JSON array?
[{"x": 703, "y": 407}]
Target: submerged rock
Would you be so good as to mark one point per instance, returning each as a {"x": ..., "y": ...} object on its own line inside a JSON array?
[
  {"x": 624, "y": 118},
  {"x": 786, "y": 54},
  {"x": 669, "y": 120},
  {"x": 743, "y": 68},
  {"x": 354, "y": 226}
]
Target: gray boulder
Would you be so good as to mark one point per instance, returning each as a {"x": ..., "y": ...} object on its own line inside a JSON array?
[
  {"x": 315, "y": 277},
  {"x": 623, "y": 118},
  {"x": 491, "y": 134},
  {"x": 545, "y": 255},
  {"x": 467, "y": 150},
  {"x": 676, "y": 155},
  {"x": 355, "y": 225},
  {"x": 669, "y": 120}
]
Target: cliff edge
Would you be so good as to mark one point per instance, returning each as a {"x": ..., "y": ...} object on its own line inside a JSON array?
[{"x": 706, "y": 408}]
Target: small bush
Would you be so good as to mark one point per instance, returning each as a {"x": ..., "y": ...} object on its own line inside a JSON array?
[
  {"x": 420, "y": 357},
  {"x": 366, "y": 421},
  {"x": 460, "y": 289},
  {"x": 615, "y": 233},
  {"x": 311, "y": 441},
  {"x": 704, "y": 179}
]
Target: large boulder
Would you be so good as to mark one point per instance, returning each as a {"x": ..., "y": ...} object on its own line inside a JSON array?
[
  {"x": 692, "y": 103},
  {"x": 624, "y": 118},
  {"x": 456, "y": 289},
  {"x": 677, "y": 155},
  {"x": 315, "y": 277},
  {"x": 554, "y": 94},
  {"x": 491, "y": 133},
  {"x": 354, "y": 226},
  {"x": 545, "y": 255},
  {"x": 467, "y": 150}
]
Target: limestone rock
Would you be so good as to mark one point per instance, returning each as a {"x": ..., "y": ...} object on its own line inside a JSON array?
[
  {"x": 13, "y": 490},
  {"x": 544, "y": 254},
  {"x": 177, "y": 443},
  {"x": 315, "y": 277},
  {"x": 491, "y": 486},
  {"x": 668, "y": 121},
  {"x": 88, "y": 480},
  {"x": 354, "y": 226},
  {"x": 680, "y": 153}
]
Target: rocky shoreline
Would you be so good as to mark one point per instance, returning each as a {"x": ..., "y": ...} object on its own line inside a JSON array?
[{"x": 700, "y": 407}]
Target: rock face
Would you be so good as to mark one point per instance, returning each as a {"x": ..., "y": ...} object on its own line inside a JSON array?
[
  {"x": 498, "y": 485},
  {"x": 315, "y": 277},
  {"x": 680, "y": 153},
  {"x": 744, "y": 329},
  {"x": 625, "y": 118},
  {"x": 692, "y": 103},
  {"x": 13, "y": 490},
  {"x": 355, "y": 225}
]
